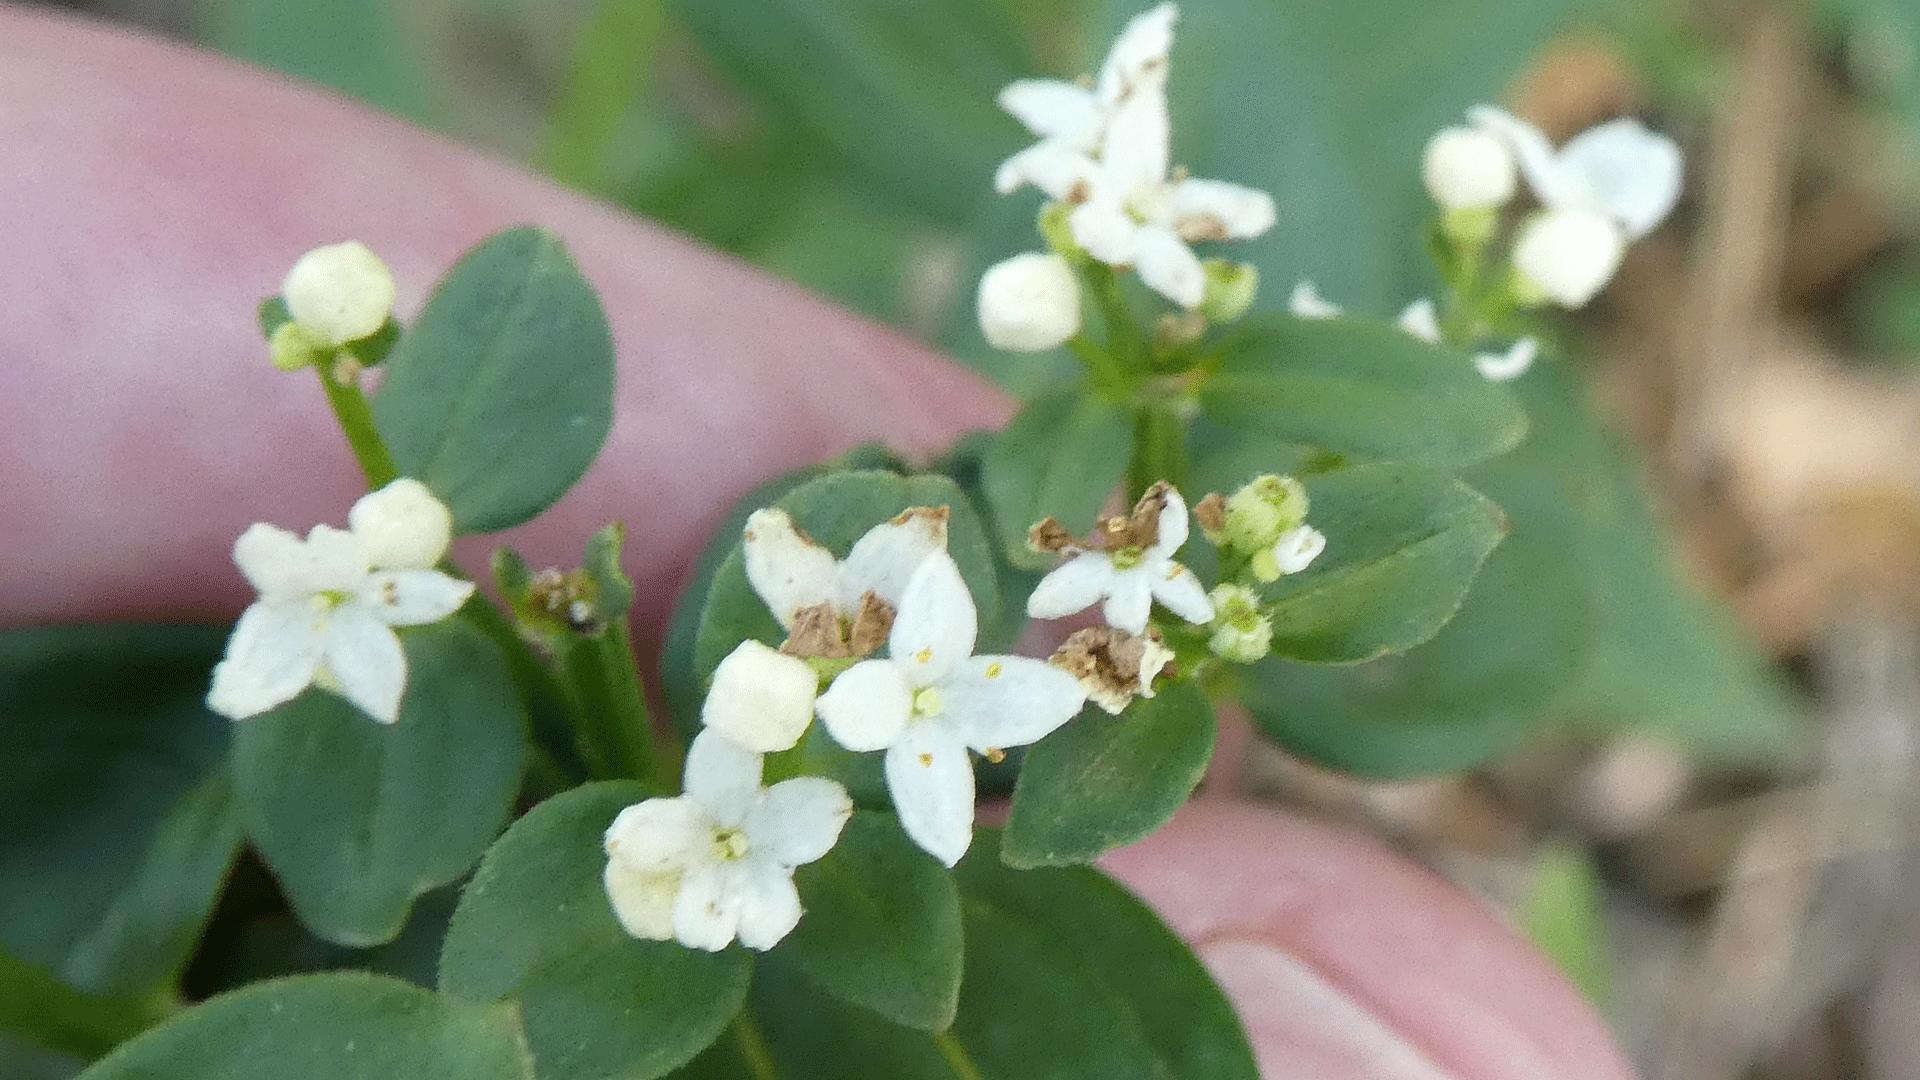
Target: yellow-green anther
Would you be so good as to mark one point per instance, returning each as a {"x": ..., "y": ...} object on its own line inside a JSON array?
[
  {"x": 729, "y": 844},
  {"x": 926, "y": 702}
]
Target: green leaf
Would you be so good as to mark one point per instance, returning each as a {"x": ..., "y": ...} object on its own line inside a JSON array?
[
  {"x": 1103, "y": 781},
  {"x": 1403, "y": 544},
  {"x": 882, "y": 926},
  {"x": 359, "y": 47},
  {"x": 1069, "y": 976},
  {"x": 119, "y": 820},
  {"x": 358, "y": 818},
  {"x": 1358, "y": 389},
  {"x": 1560, "y": 912},
  {"x": 50, "y": 1014},
  {"x": 803, "y": 1032},
  {"x": 535, "y": 929},
  {"x": 340, "y": 1026},
  {"x": 1060, "y": 457},
  {"x": 501, "y": 394}
]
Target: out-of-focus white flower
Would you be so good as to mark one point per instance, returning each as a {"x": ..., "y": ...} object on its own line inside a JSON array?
[
  {"x": 1420, "y": 320},
  {"x": 1307, "y": 303},
  {"x": 403, "y": 525},
  {"x": 805, "y": 586},
  {"x": 931, "y": 699},
  {"x": 1499, "y": 367},
  {"x": 1129, "y": 578},
  {"x": 1468, "y": 168},
  {"x": 761, "y": 698},
  {"x": 717, "y": 862},
  {"x": 1297, "y": 548},
  {"x": 1029, "y": 303},
  {"x": 1567, "y": 256},
  {"x": 339, "y": 293},
  {"x": 326, "y": 615}
]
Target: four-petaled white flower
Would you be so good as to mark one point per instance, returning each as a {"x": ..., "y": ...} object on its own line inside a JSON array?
[
  {"x": 339, "y": 293},
  {"x": 717, "y": 862},
  {"x": 327, "y": 608},
  {"x": 794, "y": 574},
  {"x": 1105, "y": 150},
  {"x": 931, "y": 699},
  {"x": 1129, "y": 579},
  {"x": 1607, "y": 186}
]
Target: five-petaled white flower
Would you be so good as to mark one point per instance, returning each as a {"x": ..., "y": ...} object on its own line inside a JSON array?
[
  {"x": 328, "y": 605},
  {"x": 717, "y": 862},
  {"x": 1105, "y": 150},
  {"x": 1607, "y": 186},
  {"x": 931, "y": 699},
  {"x": 795, "y": 576},
  {"x": 1129, "y": 578}
]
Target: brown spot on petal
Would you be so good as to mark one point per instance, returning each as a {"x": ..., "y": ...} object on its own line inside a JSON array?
[
  {"x": 1050, "y": 537},
  {"x": 819, "y": 631},
  {"x": 926, "y": 761},
  {"x": 936, "y": 514},
  {"x": 1195, "y": 227},
  {"x": 870, "y": 626},
  {"x": 1108, "y": 663}
]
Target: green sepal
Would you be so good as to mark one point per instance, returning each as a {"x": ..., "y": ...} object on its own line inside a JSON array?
[
  {"x": 882, "y": 926},
  {"x": 502, "y": 393},
  {"x": 358, "y": 818},
  {"x": 613, "y": 590},
  {"x": 272, "y": 315},
  {"x": 1364, "y": 390},
  {"x": 1104, "y": 781},
  {"x": 1060, "y": 457},
  {"x": 337, "y": 1026},
  {"x": 536, "y": 931}
]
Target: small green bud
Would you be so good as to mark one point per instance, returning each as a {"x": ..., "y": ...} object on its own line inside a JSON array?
[
  {"x": 293, "y": 347},
  {"x": 1230, "y": 289},
  {"x": 1241, "y": 632},
  {"x": 1057, "y": 233},
  {"x": 1259, "y": 512},
  {"x": 1471, "y": 229},
  {"x": 1265, "y": 567}
]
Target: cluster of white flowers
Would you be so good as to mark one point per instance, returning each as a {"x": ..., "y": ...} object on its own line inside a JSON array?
[
  {"x": 1103, "y": 151},
  {"x": 328, "y": 605}
]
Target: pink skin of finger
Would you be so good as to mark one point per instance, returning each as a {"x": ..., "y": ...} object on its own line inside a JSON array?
[{"x": 153, "y": 194}]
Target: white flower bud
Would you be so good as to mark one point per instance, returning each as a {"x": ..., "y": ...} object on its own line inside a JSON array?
[
  {"x": 403, "y": 526},
  {"x": 1241, "y": 632},
  {"x": 1567, "y": 256},
  {"x": 1297, "y": 548},
  {"x": 341, "y": 293},
  {"x": 1029, "y": 303},
  {"x": 1468, "y": 169}
]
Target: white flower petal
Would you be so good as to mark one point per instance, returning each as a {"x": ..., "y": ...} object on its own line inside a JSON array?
[
  {"x": 366, "y": 661},
  {"x": 642, "y": 899},
  {"x": 342, "y": 292},
  {"x": 1297, "y": 548},
  {"x": 1216, "y": 210},
  {"x": 931, "y": 782},
  {"x": 1131, "y": 600},
  {"x": 1307, "y": 303},
  {"x": 761, "y": 698},
  {"x": 1633, "y": 174},
  {"x": 1173, "y": 525},
  {"x": 271, "y": 657},
  {"x": 1180, "y": 592},
  {"x": 769, "y": 908},
  {"x": 1499, "y": 367},
  {"x": 1074, "y": 585},
  {"x": 936, "y": 624},
  {"x": 797, "y": 820},
  {"x": 1063, "y": 172},
  {"x": 412, "y": 597},
  {"x": 1061, "y": 111},
  {"x": 994, "y": 702},
  {"x": 402, "y": 525},
  {"x": 722, "y": 776},
  {"x": 706, "y": 912},
  {"x": 1139, "y": 54},
  {"x": 867, "y": 705},
  {"x": 883, "y": 561},
  {"x": 1551, "y": 183},
  {"x": 1133, "y": 155},
  {"x": 1568, "y": 255},
  {"x": 788, "y": 570},
  {"x": 658, "y": 835},
  {"x": 1106, "y": 230},
  {"x": 1168, "y": 266},
  {"x": 1420, "y": 320},
  {"x": 1468, "y": 168},
  {"x": 280, "y": 565}
]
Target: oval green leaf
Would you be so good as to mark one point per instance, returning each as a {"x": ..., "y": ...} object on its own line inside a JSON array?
[
  {"x": 501, "y": 394},
  {"x": 1060, "y": 457},
  {"x": 1362, "y": 390},
  {"x": 535, "y": 929},
  {"x": 337, "y": 1026},
  {"x": 1103, "y": 781},
  {"x": 1403, "y": 544},
  {"x": 358, "y": 818},
  {"x": 882, "y": 926}
]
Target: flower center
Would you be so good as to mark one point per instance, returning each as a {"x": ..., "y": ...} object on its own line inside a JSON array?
[
  {"x": 926, "y": 702},
  {"x": 1126, "y": 558},
  {"x": 729, "y": 844}
]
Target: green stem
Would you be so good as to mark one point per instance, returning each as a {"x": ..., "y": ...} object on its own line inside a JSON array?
[
  {"x": 753, "y": 1047},
  {"x": 1124, "y": 354},
  {"x": 1159, "y": 447},
  {"x": 546, "y": 697},
  {"x": 956, "y": 1056},
  {"x": 615, "y": 730},
  {"x": 356, "y": 420}
]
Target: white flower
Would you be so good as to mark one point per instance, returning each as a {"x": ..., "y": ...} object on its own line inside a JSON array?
[
  {"x": 717, "y": 862},
  {"x": 1606, "y": 187},
  {"x": 1129, "y": 579},
  {"x": 1499, "y": 367},
  {"x": 931, "y": 699},
  {"x": 403, "y": 526},
  {"x": 1106, "y": 150},
  {"x": 792, "y": 573},
  {"x": 761, "y": 698},
  {"x": 1468, "y": 169},
  {"x": 1029, "y": 303},
  {"x": 1420, "y": 321},
  {"x": 1297, "y": 548},
  {"x": 1307, "y": 303},
  {"x": 340, "y": 293},
  {"x": 325, "y": 615}
]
